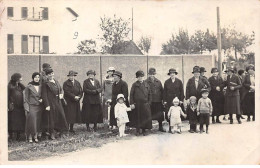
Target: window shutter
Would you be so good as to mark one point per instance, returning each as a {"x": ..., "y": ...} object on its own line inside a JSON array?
[
  {"x": 24, "y": 12},
  {"x": 10, "y": 11},
  {"x": 24, "y": 44},
  {"x": 45, "y": 44},
  {"x": 45, "y": 15},
  {"x": 10, "y": 43}
]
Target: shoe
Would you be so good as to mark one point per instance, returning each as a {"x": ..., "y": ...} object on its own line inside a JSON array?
[
  {"x": 248, "y": 119},
  {"x": 239, "y": 121},
  {"x": 217, "y": 121},
  {"x": 53, "y": 136},
  {"x": 201, "y": 131},
  {"x": 207, "y": 131},
  {"x": 242, "y": 117},
  {"x": 179, "y": 132},
  {"x": 162, "y": 130},
  {"x": 231, "y": 121},
  {"x": 224, "y": 118},
  {"x": 30, "y": 141},
  {"x": 213, "y": 121},
  {"x": 36, "y": 140}
]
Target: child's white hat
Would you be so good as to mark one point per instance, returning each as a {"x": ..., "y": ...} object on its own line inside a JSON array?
[
  {"x": 120, "y": 96},
  {"x": 193, "y": 98},
  {"x": 176, "y": 100}
]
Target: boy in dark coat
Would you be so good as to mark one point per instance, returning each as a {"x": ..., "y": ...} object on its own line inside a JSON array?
[
  {"x": 192, "y": 114},
  {"x": 72, "y": 94}
]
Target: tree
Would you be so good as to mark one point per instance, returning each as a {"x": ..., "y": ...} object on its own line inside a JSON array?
[
  {"x": 225, "y": 39},
  {"x": 145, "y": 44},
  {"x": 114, "y": 30},
  {"x": 87, "y": 47},
  {"x": 210, "y": 41},
  {"x": 198, "y": 41}
]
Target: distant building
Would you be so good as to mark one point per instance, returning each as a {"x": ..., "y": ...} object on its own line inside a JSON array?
[{"x": 126, "y": 47}]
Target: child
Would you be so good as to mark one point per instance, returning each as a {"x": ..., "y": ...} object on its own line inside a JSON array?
[
  {"x": 121, "y": 114},
  {"x": 174, "y": 115},
  {"x": 192, "y": 114},
  {"x": 204, "y": 109}
]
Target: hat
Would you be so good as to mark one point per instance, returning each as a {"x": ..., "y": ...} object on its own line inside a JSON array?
[
  {"x": 139, "y": 73},
  {"x": 15, "y": 77},
  {"x": 45, "y": 66},
  {"x": 204, "y": 90},
  {"x": 230, "y": 69},
  {"x": 152, "y": 71},
  {"x": 91, "y": 72},
  {"x": 240, "y": 71},
  {"x": 111, "y": 69},
  {"x": 193, "y": 98},
  {"x": 196, "y": 69},
  {"x": 35, "y": 74},
  {"x": 250, "y": 66},
  {"x": 176, "y": 99},
  {"x": 202, "y": 69},
  {"x": 172, "y": 70},
  {"x": 72, "y": 73},
  {"x": 48, "y": 71},
  {"x": 120, "y": 96},
  {"x": 214, "y": 70},
  {"x": 117, "y": 73}
]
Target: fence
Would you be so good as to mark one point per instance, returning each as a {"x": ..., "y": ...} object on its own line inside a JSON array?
[{"x": 128, "y": 64}]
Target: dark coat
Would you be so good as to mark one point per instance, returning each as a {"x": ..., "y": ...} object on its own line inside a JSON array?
[
  {"x": 191, "y": 87},
  {"x": 141, "y": 97},
  {"x": 32, "y": 97},
  {"x": 72, "y": 110},
  {"x": 91, "y": 110},
  {"x": 172, "y": 90},
  {"x": 249, "y": 99},
  {"x": 55, "y": 118},
  {"x": 232, "y": 97},
  {"x": 217, "y": 97},
  {"x": 16, "y": 116},
  {"x": 192, "y": 115},
  {"x": 119, "y": 88},
  {"x": 156, "y": 89},
  {"x": 242, "y": 90}
]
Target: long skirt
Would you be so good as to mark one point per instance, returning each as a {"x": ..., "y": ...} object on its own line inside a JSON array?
[
  {"x": 92, "y": 113},
  {"x": 157, "y": 111},
  {"x": 16, "y": 120},
  {"x": 113, "y": 121},
  {"x": 249, "y": 103},
  {"x": 232, "y": 105},
  {"x": 105, "y": 108},
  {"x": 33, "y": 120}
]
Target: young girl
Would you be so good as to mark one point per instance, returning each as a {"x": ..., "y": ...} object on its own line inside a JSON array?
[
  {"x": 121, "y": 114},
  {"x": 192, "y": 114},
  {"x": 174, "y": 115}
]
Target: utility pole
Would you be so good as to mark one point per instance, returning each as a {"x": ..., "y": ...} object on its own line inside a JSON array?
[
  {"x": 132, "y": 24},
  {"x": 219, "y": 43}
]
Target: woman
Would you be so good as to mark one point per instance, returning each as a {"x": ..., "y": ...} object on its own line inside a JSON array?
[
  {"x": 216, "y": 95},
  {"x": 249, "y": 99},
  {"x": 72, "y": 94},
  {"x": 91, "y": 110},
  {"x": 33, "y": 107},
  {"x": 141, "y": 100},
  {"x": 107, "y": 92},
  {"x": 52, "y": 95},
  {"x": 232, "y": 97},
  {"x": 16, "y": 114}
]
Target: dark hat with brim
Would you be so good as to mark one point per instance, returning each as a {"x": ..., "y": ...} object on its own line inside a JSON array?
[
  {"x": 196, "y": 69},
  {"x": 230, "y": 69},
  {"x": 204, "y": 91},
  {"x": 48, "y": 71},
  {"x": 214, "y": 70},
  {"x": 172, "y": 70},
  {"x": 45, "y": 66},
  {"x": 91, "y": 72},
  {"x": 117, "y": 73},
  {"x": 72, "y": 73},
  {"x": 202, "y": 69},
  {"x": 139, "y": 74},
  {"x": 152, "y": 71}
]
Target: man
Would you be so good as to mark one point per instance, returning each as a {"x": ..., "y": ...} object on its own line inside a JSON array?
[
  {"x": 202, "y": 72},
  {"x": 233, "y": 65},
  {"x": 119, "y": 87},
  {"x": 173, "y": 87},
  {"x": 157, "y": 97}
]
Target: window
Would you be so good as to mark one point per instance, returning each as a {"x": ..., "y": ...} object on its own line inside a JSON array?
[
  {"x": 10, "y": 11},
  {"x": 45, "y": 44},
  {"x": 24, "y": 44},
  {"x": 45, "y": 15},
  {"x": 24, "y": 12},
  {"x": 10, "y": 43}
]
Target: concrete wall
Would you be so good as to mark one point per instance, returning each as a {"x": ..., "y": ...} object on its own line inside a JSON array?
[{"x": 128, "y": 65}]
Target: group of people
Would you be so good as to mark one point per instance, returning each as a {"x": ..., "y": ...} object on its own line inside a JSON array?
[{"x": 44, "y": 107}]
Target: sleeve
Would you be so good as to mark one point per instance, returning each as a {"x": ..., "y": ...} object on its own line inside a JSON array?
[
  {"x": 149, "y": 95},
  {"x": 116, "y": 111},
  {"x": 67, "y": 92},
  {"x": 198, "y": 107},
  {"x": 246, "y": 83},
  {"x": 88, "y": 91},
  {"x": 80, "y": 90},
  {"x": 207, "y": 84},
  {"x": 164, "y": 92},
  {"x": 169, "y": 112},
  {"x": 238, "y": 81},
  {"x": 213, "y": 87},
  {"x": 181, "y": 91},
  {"x": 132, "y": 93},
  {"x": 181, "y": 112},
  {"x": 188, "y": 90},
  {"x": 25, "y": 98},
  {"x": 128, "y": 109},
  {"x": 125, "y": 90},
  {"x": 161, "y": 90},
  {"x": 99, "y": 89},
  {"x": 210, "y": 106},
  {"x": 221, "y": 83},
  {"x": 45, "y": 94}
]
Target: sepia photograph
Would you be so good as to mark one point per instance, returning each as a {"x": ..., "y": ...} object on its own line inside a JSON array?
[{"x": 132, "y": 82}]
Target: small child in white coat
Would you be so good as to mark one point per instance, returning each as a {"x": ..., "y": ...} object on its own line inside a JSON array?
[
  {"x": 121, "y": 114},
  {"x": 174, "y": 115}
]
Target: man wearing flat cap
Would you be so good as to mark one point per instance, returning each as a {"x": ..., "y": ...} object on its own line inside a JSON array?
[
  {"x": 157, "y": 97},
  {"x": 140, "y": 100},
  {"x": 119, "y": 87},
  {"x": 72, "y": 94},
  {"x": 173, "y": 87}
]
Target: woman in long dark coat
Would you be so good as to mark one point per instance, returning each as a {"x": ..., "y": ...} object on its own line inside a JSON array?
[
  {"x": 72, "y": 94},
  {"x": 91, "y": 110},
  {"x": 52, "y": 95},
  {"x": 216, "y": 95},
  {"x": 33, "y": 107},
  {"x": 16, "y": 114},
  {"x": 140, "y": 100},
  {"x": 232, "y": 97},
  {"x": 249, "y": 99}
]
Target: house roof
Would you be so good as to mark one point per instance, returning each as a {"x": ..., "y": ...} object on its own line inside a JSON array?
[{"x": 126, "y": 47}]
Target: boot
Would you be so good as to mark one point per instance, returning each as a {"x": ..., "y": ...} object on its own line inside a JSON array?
[
  {"x": 95, "y": 127},
  {"x": 248, "y": 118},
  {"x": 231, "y": 121},
  {"x": 143, "y": 132},
  {"x": 213, "y": 120},
  {"x": 242, "y": 117},
  {"x": 218, "y": 121},
  {"x": 137, "y": 132},
  {"x": 239, "y": 121},
  {"x": 207, "y": 130}
]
